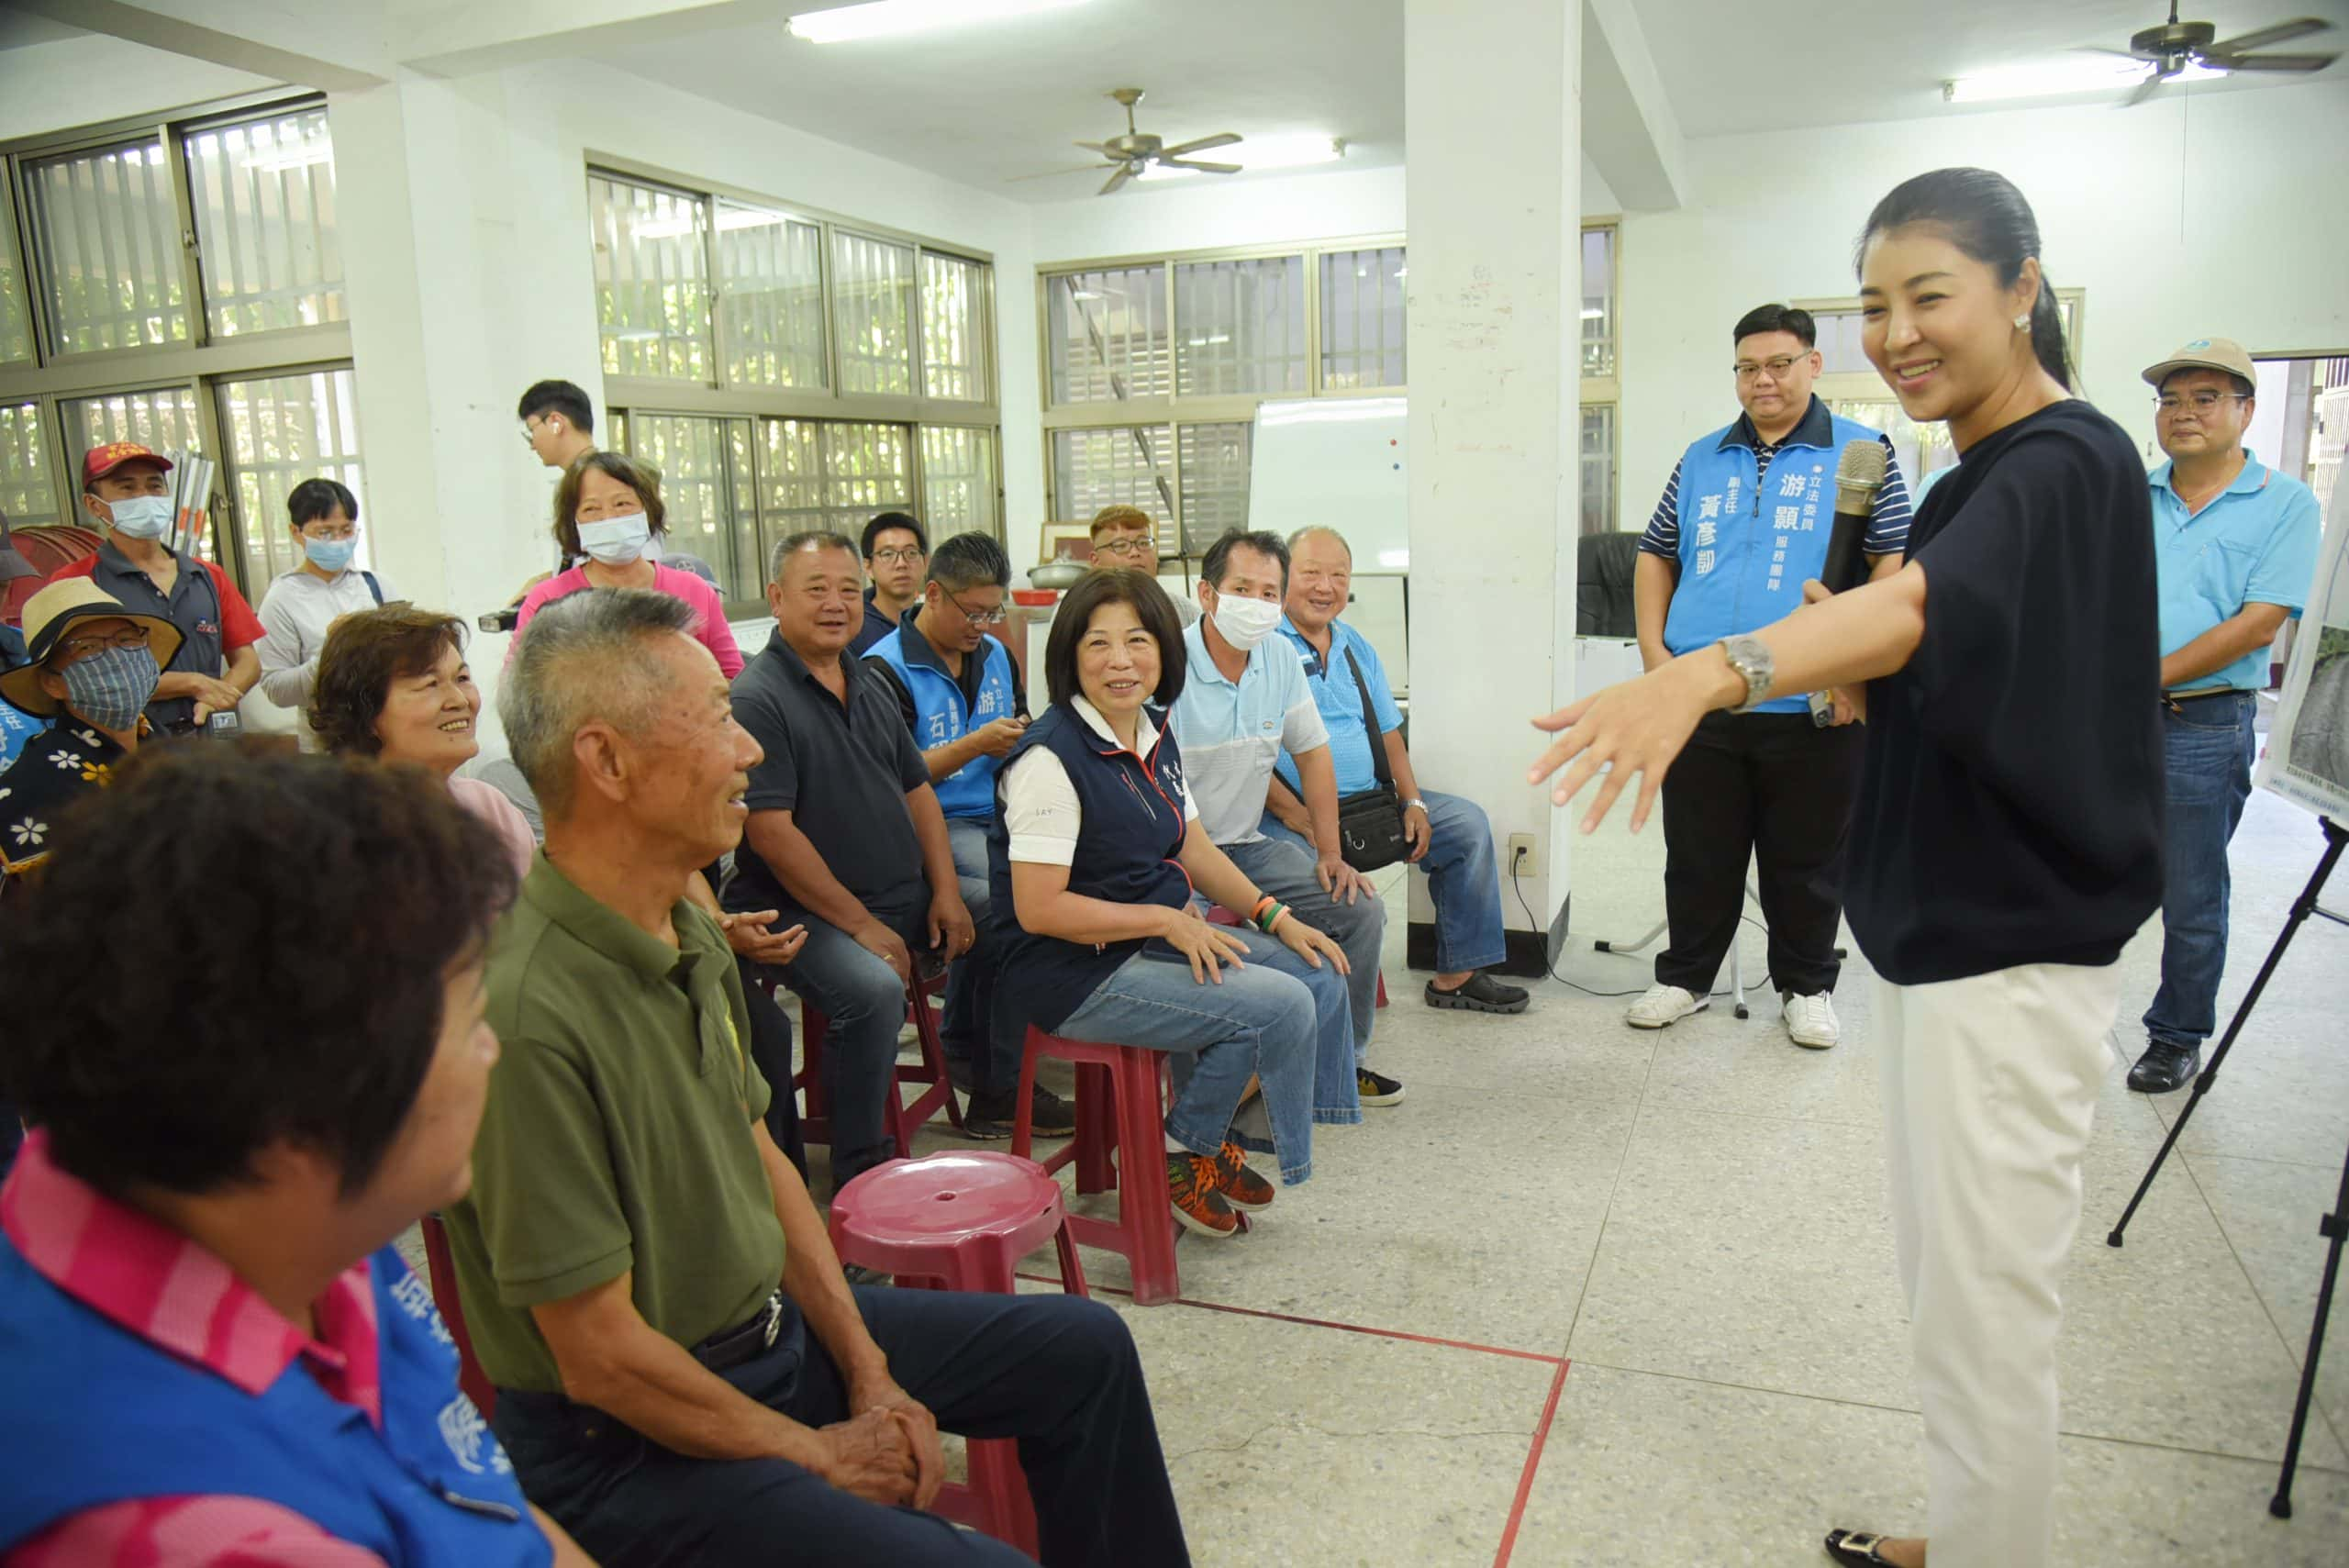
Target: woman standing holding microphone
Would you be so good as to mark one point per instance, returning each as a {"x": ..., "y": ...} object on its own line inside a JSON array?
[{"x": 2008, "y": 836}]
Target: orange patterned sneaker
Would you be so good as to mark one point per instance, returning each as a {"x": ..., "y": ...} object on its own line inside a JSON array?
[
  {"x": 1241, "y": 1188},
  {"x": 1194, "y": 1183}
]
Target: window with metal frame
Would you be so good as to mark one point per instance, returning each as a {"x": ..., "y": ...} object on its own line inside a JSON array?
[
  {"x": 651, "y": 266},
  {"x": 265, "y": 223},
  {"x": 703, "y": 488},
  {"x": 872, "y": 288},
  {"x": 1108, "y": 334},
  {"x": 953, "y": 329},
  {"x": 770, "y": 297},
  {"x": 1117, "y": 465},
  {"x": 958, "y": 480},
  {"x": 26, "y": 492},
  {"x": 1596, "y": 468},
  {"x": 15, "y": 311},
  {"x": 1215, "y": 481},
  {"x": 1361, "y": 318},
  {"x": 281, "y": 430},
  {"x": 105, "y": 245},
  {"x": 1240, "y": 327},
  {"x": 1599, "y": 300}
]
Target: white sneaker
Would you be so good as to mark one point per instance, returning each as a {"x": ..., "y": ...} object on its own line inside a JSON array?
[
  {"x": 1662, "y": 1006},
  {"x": 1811, "y": 1022}
]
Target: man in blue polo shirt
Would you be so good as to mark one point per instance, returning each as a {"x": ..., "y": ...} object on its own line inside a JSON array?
[
  {"x": 2235, "y": 545},
  {"x": 962, "y": 700},
  {"x": 1743, "y": 522},
  {"x": 1450, "y": 839}
]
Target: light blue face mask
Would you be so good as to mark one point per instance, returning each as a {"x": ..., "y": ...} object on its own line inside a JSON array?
[
  {"x": 330, "y": 554},
  {"x": 110, "y": 688},
  {"x": 140, "y": 516},
  {"x": 616, "y": 542}
]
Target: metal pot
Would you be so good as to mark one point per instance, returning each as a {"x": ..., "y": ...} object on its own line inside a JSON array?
[{"x": 1058, "y": 574}]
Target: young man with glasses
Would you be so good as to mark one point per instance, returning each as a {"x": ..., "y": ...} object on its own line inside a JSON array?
[
  {"x": 895, "y": 548},
  {"x": 329, "y": 584},
  {"x": 963, "y": 701},
  {"x": 1125, "y": 535},
  {"x": 2235, "y": 548},
  {"x": 1743, "y": 523}
]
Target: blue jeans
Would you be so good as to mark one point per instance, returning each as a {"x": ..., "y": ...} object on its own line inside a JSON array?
[
  {"x": 972, "y": 1031},
  {"x": 1283, "y": 866},
  {"x": 1258, "y": 1023},
  {"x": 2208, "y": 749},
  {"x": 1464, "y": 879}
]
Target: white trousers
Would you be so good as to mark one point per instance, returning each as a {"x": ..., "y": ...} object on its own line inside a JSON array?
[{"x": 1989, "y": 1090}]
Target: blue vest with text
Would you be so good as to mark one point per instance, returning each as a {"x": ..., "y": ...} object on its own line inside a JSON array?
[
  {"x": 1131, "y": 829},
  {"x": 1746, "y": 548},
  {"x": 97, "y": 1415},
  {"x": 940, "y": 717}
]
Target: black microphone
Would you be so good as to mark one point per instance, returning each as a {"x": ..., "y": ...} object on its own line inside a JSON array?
[{"x": 1859, "y": 475}]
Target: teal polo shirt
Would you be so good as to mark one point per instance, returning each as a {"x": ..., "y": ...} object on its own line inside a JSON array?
[
  {"x": 1339, "y": 700},
  {"x": 2254, "y": 543}
]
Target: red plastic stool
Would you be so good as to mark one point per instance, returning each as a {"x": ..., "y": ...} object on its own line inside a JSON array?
[
  {"x": 904, "y": 1120},
  {"x": 1119, "y": 1103},
  {"x": 443, "y": 1265},
  {"x": 963, "y": 1223}
]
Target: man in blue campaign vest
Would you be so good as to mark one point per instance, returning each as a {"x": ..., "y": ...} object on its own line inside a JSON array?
[
  {"x": 2235, "y": 546},
  {"x": 1743, "y": 524},
  {"x": 967, "y": 708},
  {"x": 215, "y": 1354}
]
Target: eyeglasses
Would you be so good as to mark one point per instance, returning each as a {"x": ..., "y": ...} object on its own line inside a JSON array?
[
  {"x": 2169, "y": 403},
  {"x": 995, "y": 617},
  {"x": 529, "y": 434},
  {"x": 83, "y": 647},
  {"x": 897, "y": 557},
  {"x": 1134, "y": 548},
  {"x": 1747, "y": 369}
]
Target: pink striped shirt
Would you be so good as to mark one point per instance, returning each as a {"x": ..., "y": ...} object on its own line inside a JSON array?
[{"x": 155, "y": 1282}]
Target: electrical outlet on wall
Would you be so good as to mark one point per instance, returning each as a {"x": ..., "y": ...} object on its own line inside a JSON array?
[{"x": 1521, "y": 853}]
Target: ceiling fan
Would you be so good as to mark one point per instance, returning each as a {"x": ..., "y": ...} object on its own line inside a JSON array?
[
  {"x": 1136, "y": 150},
  {"x": 2175, "y": 46}
]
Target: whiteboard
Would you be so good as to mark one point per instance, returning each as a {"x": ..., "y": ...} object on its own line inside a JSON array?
[{"x": 1341, "y": 462}]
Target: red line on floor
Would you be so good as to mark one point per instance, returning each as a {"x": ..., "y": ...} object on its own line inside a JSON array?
[
  {"x": 1533, "y": 1462},
  {"x": 1326, "y": 1323}
]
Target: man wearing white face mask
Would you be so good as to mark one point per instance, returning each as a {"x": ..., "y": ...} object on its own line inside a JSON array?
[
  {"x": 1245, "y": 700},
  {"x": 126, "y": 496}
]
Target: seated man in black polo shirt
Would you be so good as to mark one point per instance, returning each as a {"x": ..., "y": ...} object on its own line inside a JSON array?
[{"x": 845, "y": 835}]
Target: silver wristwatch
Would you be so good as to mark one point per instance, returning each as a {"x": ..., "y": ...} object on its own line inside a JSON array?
[
  {"x": 1421, "y": 803},
  {"x": 1750, "y": 657}
]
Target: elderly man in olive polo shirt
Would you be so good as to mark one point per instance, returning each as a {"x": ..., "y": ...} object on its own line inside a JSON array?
[{"x": 630, "y": 1219}]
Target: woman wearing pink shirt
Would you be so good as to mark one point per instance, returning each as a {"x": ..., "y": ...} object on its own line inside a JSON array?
[{"x": 609, "y": 509}]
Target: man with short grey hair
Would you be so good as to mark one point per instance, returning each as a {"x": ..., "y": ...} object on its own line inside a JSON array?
[
  {"x": 630, "y": 1219},
  {"x": 845, "y": 833}
]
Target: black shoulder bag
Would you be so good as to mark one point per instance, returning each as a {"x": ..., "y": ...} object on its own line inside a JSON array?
[{"x": 1370, "y": 824}]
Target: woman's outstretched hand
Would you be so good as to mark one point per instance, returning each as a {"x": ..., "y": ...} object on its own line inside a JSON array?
[{"x": 1637, "y": 726}]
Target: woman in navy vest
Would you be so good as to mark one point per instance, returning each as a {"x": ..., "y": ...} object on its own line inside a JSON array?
[
  {"x": 2007, "y": 840},
  {"x": 1093, "y": 862},
  {"x": 214, "y": 1351}
]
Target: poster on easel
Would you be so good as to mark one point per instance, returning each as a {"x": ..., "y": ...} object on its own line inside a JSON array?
[{"x": 2307, "y": 759}]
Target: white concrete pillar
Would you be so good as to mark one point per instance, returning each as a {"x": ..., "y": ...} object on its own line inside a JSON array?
[{"x": 1492, "y": 113}]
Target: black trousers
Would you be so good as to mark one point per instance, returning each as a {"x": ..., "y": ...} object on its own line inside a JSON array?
[
  {"x": 771, "y": 1052},
  {"x": 1774, "y": 788},
  {"x": 1058, "y": 1373}
]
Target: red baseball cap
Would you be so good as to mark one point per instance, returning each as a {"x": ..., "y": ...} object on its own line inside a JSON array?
[{"x": 99, "y": 462}]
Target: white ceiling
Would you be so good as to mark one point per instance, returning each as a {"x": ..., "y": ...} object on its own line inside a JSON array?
[{"x": 984, "y": 103}]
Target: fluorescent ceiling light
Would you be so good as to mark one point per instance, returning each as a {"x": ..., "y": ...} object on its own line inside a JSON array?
[
  {"x": 1285, "y": 151},
  {"x": 2066, "y": 79},
  {"x": 890, "y": 18}
]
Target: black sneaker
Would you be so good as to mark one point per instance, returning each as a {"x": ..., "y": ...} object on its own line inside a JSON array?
[
  {"x": 1376, "y": 1088},
  {"x": 2164, "y": 1067},
  {"x": 988, "y": 1114},
  {"x": 1480, "y": 993}
]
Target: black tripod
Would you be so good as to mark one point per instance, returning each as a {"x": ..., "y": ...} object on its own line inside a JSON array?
[{"x": 2334, "y": 1226}]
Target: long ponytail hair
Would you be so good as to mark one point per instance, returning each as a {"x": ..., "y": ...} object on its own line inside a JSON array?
[{"x": 1986, "y": 218}]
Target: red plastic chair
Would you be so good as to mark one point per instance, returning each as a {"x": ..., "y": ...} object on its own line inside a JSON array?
[
  {"x": 905, "y": 1120},
  {"x": 1119, "y": 1106},
  {"x": 963, "y": 1221},
  {"x": 443, "y": 1265}
]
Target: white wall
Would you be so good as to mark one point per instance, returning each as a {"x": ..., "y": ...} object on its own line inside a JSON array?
[
  {"x": 2182, "y": 217},
  {"x": 67, "y": 82}
]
